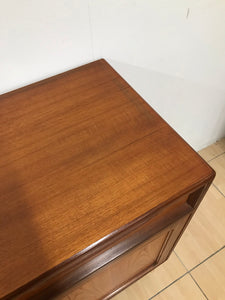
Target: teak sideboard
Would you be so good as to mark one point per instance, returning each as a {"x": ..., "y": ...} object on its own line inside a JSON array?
[{"x": 95, "y": 187}]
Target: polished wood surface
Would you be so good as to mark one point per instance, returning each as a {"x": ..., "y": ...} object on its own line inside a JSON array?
[
  {"x": 200, "y": 250},
  {"x": 109, "y": 278},
  {"x": 82, "y": 157},
  {"x": 129, "y": 267},
  {"x": 153, "y": 282}
]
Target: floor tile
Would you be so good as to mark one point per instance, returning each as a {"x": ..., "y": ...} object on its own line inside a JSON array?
[
  {"x": 153, "y": 282},
  {"x": 205, "y": 233},
  {"x": 183, "y": 289},
  {"x": 213, "y": 150},
  {"x": 218, "y": 164},
  {"x": 211, "y": 276}
]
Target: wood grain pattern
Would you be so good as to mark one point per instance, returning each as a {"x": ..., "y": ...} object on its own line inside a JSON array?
[
  {"x": 116, "y": 275},
  {"x": 81, "y": 156},
  {"x": 153, "y": 282},
  {"x": 80, "y": 266},
  {"x": 109, "y": 278}
]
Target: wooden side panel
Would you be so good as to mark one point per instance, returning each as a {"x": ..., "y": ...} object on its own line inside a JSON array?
[
  {"x": 54, "y": 284},
  {"x": 88, "y": 171},
  {"x": 127, "y": 268}
]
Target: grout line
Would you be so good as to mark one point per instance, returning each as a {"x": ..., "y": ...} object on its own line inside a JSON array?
[
  {"x": 180, "y": 260},
  {"x": 218, "y": 190},
  {"x": 168, "y": 286},
  {"x": 188, "y": 272},
  {"x": 216, "y": 156},
  {"x": 91, "y": 31},
  {"x": 214, "y": 253},
  {"x": 207, "y": 258},
  {"x": 191, "y": 276},
  {"x": 198, "y": 286}
]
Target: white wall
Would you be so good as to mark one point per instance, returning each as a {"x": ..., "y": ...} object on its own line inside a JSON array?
[
  {"x": 39, "y": 38},
  {"x": 196, "y": 111},
  {"x": 172, "y": 52}
]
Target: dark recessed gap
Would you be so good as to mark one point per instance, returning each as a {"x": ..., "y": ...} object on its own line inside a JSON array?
[{"x": 193, "y": 197}]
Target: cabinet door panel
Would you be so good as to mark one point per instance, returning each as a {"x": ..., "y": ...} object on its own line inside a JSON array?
[{"x": 128, "y": 267}]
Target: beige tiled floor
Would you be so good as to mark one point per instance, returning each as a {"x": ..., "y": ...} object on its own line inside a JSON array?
[
  {"x": 210, "y": 276},
  {"x": 183, "y": 289},
  {"x": 206, "y": 232},
  {"x": 196, "y": 269},
  {"x": 214, "y": 150},
  {"x": 218, "y": 165}
]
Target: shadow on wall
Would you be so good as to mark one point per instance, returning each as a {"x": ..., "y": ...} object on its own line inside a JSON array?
[{"x": 196, "y": 111}]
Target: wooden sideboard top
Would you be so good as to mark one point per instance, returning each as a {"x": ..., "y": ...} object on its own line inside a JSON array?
[{"x": 81, "y": 155}]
